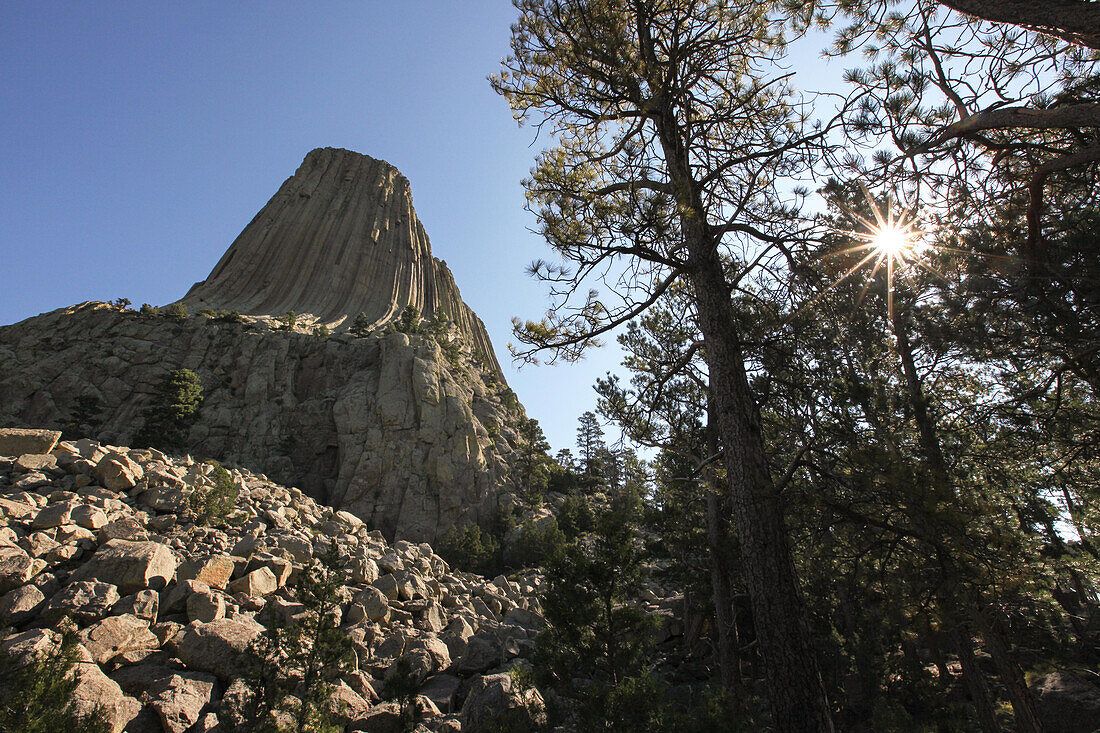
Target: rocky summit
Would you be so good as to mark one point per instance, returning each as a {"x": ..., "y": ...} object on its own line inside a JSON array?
[
  {"x": 108, "y": 544},
  {"x": 305, "y": 375}
]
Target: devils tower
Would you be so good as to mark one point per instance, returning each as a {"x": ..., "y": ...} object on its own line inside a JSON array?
[
  {"x": 411, "y": 432},
  {"x": 339, "y": 238}
]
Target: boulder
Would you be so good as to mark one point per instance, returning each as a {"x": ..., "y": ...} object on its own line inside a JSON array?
[
  {"x": 17, "y": 441},
  {"x": 53, "y": 515},
  {"x": 16, "y": 567},
  {"x": 95, "y": 690},
  {"x": 214, "y": 570},
  {"x": 205, "y": 607},
  {"x": 258, "y": 583},
  {"x": 88, "y": 516},
  {"x": 495, "y": 703},
  {"x": 117, "y": 634},
  {"x": 131, "y": 566},
  {"x": 118, "y": 472},
  {"x": 219, "y": 647},
  {"x": 41, "y": 462},
  {"x": 346, "y": 704},
  {"x": 144, "y": 604},
  {"x": 1067, "y": 703},
  {"x": 481, "y": 654},
  {"x": 180, "y": 699},
  {"x": 86, "y": 601},
  {"x": 30, "y": 645},
  {"x": 374, "y": 604},
  {"x": 20, "y": 604},
  {"x": 441, "y": 690},
  {"x": 123, "y": 528}
]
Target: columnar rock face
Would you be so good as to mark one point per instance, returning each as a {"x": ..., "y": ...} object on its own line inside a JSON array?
[
  {"x": 338, "y": 239},
  {"x": 387, "y": 426}
]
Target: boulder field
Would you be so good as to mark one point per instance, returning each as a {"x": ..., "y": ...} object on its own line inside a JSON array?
[{"x": 102, "y": 540}]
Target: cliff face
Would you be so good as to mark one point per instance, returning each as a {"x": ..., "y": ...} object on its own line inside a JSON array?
[
  {"x": 385, "y": 426},
  {"x": 339, "y": 238}
]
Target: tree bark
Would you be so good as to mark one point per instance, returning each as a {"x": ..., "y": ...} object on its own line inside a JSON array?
[
  {"x": 795, "y": 689},
  {"x": 728, "y": 659},
  {"x": 1076, "y": 21},
  {"x": 797, "y": 694},
  {"x": 1023, "y": 707},
  {"x": 975, "y": 682}
]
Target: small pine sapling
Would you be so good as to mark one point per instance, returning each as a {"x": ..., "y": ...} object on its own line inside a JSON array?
[
  {"x": 38, "y": 697},
  {"x": 361, "y": 326}
]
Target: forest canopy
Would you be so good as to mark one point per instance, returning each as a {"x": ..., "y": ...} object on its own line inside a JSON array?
[{"x": 861, "y": 332}]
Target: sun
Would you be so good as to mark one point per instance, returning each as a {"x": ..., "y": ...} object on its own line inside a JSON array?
[
  {"x": 886, "y": 242},
  {"x": 892, "y": 241}
]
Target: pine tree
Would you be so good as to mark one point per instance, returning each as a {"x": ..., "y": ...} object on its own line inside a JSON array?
[
  {"x": 597, "y": 631},
  {"x": 37, "y": 697},
  {"x": 591, "y": 447},
  {"x": 174, "y": 408},
  {"x": 295, "y": 661},
  {"x": 361, "y": 326}
]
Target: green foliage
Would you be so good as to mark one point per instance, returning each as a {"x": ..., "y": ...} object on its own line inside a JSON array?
[
  {"x": 229, "y": 317},
  {"x": 207, "y": 313},
  {"x": 575, "y": 516},
  {"x": 287, "y": 322},
  {"x": 213, "y": 505},
  {"x": 469, "y": 548},
  {"x": 403, "y": 686},
  {"x": 173, "y": 409},
  {"x": 175, "y": 312},
  {"x": 536, "y": 545},
  {"x": 592, "y": 449},
  {"x": 150, "y": 311},
  {"x": 122, "y": 303},
  {"x": 361, "y": 326},
  {"x": 37, "y": 698},
  {"x": 597, "y": 630},
  {"x": 409, "y": 321},
  {"x": 452, "y": 347},
  {"x": 86, "y": 417},
  {"x": 322, "y": 331},
  {"x": 295, "y": 662}
]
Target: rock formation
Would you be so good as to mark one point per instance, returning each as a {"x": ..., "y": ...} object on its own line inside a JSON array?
[
  {"x": 338, "y": 239},
  {"x": 102, "y": 540},
  {"x": 389, "y": 427}
]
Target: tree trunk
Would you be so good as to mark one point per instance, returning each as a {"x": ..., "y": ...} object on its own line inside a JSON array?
[
  {"x": 931, "y": 638},
  {"x": 1023, "y": 707},
  {"x": 728, "y": 661},
  {"x": 797, "y": 695},
  {"x": 794, "y": 682},
  {"x": 975, "y": 682}
]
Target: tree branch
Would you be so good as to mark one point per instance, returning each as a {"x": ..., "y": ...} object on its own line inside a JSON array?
[
  {"x": 1075, "y": 21},
  {"x": 1035, "y": 189},
  {"x": 1068, "y": 117}
]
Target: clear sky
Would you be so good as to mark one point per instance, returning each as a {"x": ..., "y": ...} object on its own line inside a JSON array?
[{"x": 139, "y": 138}]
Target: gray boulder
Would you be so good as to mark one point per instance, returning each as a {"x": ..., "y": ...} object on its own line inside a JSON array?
[
  {"x": 494, "y": 702},
  {"x": 1067, "y": 703}
]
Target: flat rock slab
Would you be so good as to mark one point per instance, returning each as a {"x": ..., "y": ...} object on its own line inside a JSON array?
[
  {"x": 17, "y": 441},
  {"x": 132, "y": 566}
]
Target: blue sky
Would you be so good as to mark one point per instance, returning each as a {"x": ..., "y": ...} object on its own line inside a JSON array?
[{"x": 139, "y": 138}]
